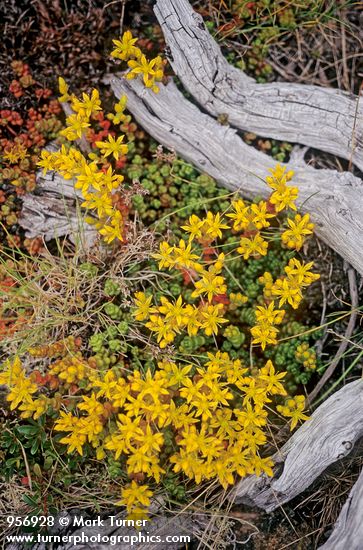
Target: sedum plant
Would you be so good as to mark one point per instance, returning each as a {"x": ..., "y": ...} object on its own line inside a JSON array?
[
  {"x": 199, "y": 407},
  {"x": 200, "y": 417},
  {"x": 94, "y": 174},
  {"x": 151, "y": 71}
]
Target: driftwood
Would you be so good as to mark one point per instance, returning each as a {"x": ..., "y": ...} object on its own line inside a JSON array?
[
  {"x": 323, "y": 118},
  {"x": 348, "y": 530},
  {"x": 329, "y": 435},
  {"x": 334, "y": 200},
  {"x": 53, "y": 211}
]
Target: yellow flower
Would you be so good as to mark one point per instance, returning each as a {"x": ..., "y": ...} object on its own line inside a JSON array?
[
  {"x": 269, "y": 315},
  {"x": 69, "y": 423},
  {"x": 183, "y": 255},
  {"x": 165, "y": 255},
  {"x": 267, "y": 281},
  {"x": 237, "y": 299},
  {"x": 174, "y": 313},
  {"x": 194, "y": 227},
  {"x": 89, "y": 105},
  {"x": 113, "y": 230},
  {"x": 75, "y": 442},
  {"x": 119, "y": 115},
  {"x": 66, "y": 422},
  {"x": 107, "y": 385},
  {"x": 255, "y": 392},
  {"x": 272, "y": 379},
  {"x": 294, "y": 409},
  {"x": 134, "y": 494},
  {"x": 143, "y": 306},
  {"x": 129, "y": 428},
  {"x": 300, "y": 228},
  {"x": 21, "y": 392},
  {"x": 101, "y": 202},
  {"x": 299, "y": 273},
  {"x": 46, "y": 161},
  {"x": 255, "y": 247},
  {"x": 242, "y": 215},
  {"x": 34, "y": 408},
  {"x": 278, "y": 176},
  {"x": 151, "y": 70},
  {"x": 287, "y": 291},
  {"x": 284, "y": 198},
  {"x": 63, "y": 90},
  {"x": 113, "y": 146},
  {"x": 218, "y": 265},
  {"x": 109, "y": 180},
  {"x": 12, "y": 373},
  {"x": 260, "y": 215},
  {"x": 262, "y": 465},
  {"x": 251, "y": 416},
  {"x": 264, "y": 334},
  {"x": 89, "y": 177},
  {"x": 306, "y": 356},
  {"x": 120, "y": 393},
  {"x": 150, "y": 441},
  {"x": 125, "y": 47},
  {"x": 176, "y": 375},
  {"x": 15, "y": 153},
  {"x": 213, "y": 225},
  {"x": 211, "y": 318},
  {"x": 165, "y": 335},
  {"x": 91, "y": 405},
  {"x": 76, "y": 125},
  {"x": 210, "y": 284}
]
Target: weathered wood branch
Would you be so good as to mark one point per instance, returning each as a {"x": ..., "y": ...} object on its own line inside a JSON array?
[
  {"x": 53, "y": 211},
  {"x": 327, "y": 436},
  {"x": 323, "y": 118},
  {"x": 334, "y": 200},
  {"x": 348, "y": 530}
]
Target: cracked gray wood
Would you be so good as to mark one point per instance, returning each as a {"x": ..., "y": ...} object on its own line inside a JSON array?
[
  {"x": 334, "y": 200},
  {"x": 324, "y": 118},
  {"x": 329, "y": 435},
  {"x": 348, "y": 530},
  {"x": 52, "y": 211}
]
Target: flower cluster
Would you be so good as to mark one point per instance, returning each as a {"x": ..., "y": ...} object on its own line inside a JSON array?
[
  {"x": 285, "y": 290},
  {"x": 94, "y": 175},
  {"x": 203, "y": 420},
  {"x": 152, "y": 71},
  {"x": 200, "y": 417},
  {"x": 294, "y": 409},
  {"x": 205, "y": 268},
  {"x": 22, "y": 388}
]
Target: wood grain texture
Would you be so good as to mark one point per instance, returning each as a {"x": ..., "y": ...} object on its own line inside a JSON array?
[
  {"x": 327, "y": 436},
  {"x": 348, "y": 530},
  {"x": 334, "y": 200},
  {"x": 324, "y": 118},
  {"x": 53, "y": 211}
]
